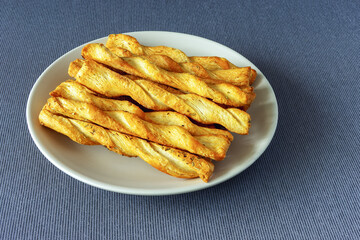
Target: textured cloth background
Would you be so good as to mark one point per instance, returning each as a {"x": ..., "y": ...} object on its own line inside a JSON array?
[{"x": 305, "y": 185}]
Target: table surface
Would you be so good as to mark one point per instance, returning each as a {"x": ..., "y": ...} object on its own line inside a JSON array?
[{"x": 304, "y": 186}]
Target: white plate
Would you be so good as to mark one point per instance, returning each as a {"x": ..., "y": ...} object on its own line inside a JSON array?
[{"x": 99, "y": 167}]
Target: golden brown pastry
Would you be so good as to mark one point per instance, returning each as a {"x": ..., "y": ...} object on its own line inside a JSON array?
[
  {"x": 239, "y": 77},
  {"x": 177, "y": 119},
  {"x": 111, "y": 84},
  {"x": 222, "y": 93},
  {"x": 169, "y": 160},
  {"x": 73, "y": 90},
  {"x": 121, "y": 44},
  {"x": 130, "y": 44},
  {"x": 209, "y": 90},
  {"x": 213, "y": 146}
]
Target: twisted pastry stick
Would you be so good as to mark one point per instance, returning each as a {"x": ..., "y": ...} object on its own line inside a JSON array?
[
  {"x": 210, "y": 64},
  {"x": 132, "y": 45},
  {"x": 111, "y": 84},
  {"x": 224, "y": 69},
  {"x": 222, "y": 93},
  {"x": 172, "y": 161},
  {"x": 214, "y": 146},
  {"x": 75, "y": 91},
  {"x": 177, "y": 119},
  {"x": 238, "y": 76}
]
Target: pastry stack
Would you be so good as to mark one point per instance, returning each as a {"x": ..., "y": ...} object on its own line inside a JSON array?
[{"x": 173, "y": 111}]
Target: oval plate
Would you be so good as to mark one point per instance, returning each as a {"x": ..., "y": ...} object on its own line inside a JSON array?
[{"x": 99, "y": 167}]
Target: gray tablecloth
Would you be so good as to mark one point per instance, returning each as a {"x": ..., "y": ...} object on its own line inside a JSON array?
[{"x": 305, "y": 185}]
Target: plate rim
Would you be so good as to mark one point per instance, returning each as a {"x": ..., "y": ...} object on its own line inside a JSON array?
[{"x": 144, "y": 191}]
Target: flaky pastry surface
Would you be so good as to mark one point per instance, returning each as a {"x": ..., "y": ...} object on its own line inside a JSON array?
[
  {"x": 155, "y": 103},
  {"x": 111, "y": 84},
  {"x": 204, "y": 67},
  {"x": 222, "y": 93},
  {"x": 169, "y": 160},
  {"x": 214, "y": 147}
]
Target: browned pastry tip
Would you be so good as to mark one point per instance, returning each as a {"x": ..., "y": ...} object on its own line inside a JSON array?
[{"x": 74, "y": 67}]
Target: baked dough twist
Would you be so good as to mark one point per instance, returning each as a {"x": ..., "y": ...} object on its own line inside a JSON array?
[
  {"x": 152, "y": 96},
  {"x": 222, "y": 93},
  {"x": 128, "y": 45},
  {"x": 169, "y": 160},
  {"x": 239, "y": 77},
  {"x": 210, "y": 146},
  {"x": 73, "y": 90}
]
